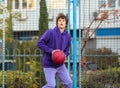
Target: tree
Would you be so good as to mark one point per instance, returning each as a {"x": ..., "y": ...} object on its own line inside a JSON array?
[
  {"x": 43, "y": 20},
  {"x": 8, "y": 22},
  {"x": 9, "y": 37}
]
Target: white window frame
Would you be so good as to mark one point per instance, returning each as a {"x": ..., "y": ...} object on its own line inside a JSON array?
[
  {"x": 117, "y": 3},
  {"x": 55, "y": 4},
  {"x": 21, "y": 7}
]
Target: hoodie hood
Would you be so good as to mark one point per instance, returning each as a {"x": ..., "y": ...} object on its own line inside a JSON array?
[{"x": 58, "y": 31}]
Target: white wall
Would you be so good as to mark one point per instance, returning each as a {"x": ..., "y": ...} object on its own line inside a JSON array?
[
  {"x": 31, "y": 23},
  {"x": 87, "y": 9},
  {"x": 109, "y": 42}
]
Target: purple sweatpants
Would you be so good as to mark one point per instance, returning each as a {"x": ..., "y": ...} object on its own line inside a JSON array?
[{"x": 61, "y": 72}]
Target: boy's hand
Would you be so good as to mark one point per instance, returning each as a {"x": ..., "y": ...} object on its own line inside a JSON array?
[{"x": 55, "y": 50}]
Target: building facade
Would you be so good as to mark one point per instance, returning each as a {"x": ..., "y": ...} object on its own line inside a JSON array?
[{"x": 26, "y": 28}]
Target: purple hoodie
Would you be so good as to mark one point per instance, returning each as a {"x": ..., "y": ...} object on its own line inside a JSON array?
[{"x": 53, "y": 39}]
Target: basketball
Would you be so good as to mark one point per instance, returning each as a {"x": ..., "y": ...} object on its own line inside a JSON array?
[{"x": 58, "y": 57}]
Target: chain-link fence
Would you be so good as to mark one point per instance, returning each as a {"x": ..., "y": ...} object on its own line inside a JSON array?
[{"x": 96, "y": 32}]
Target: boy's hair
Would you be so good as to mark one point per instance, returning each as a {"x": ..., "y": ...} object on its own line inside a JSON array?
[{"x": 61, "y": 15}]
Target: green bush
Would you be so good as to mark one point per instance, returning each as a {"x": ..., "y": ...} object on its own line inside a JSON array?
[
  {"x": 102, "y": 78},
  {"x": 103, "y": 57},
  {"x": 17, "y": 79}
]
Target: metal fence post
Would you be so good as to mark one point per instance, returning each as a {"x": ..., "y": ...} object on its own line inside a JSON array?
[
  {"x": 74, "y": 46},
  {"x": 68, "y": 62},
  {"x": 3, "y": 42}
]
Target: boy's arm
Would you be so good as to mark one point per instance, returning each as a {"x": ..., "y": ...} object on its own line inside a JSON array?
[
  {"x": 42, "y": 42},
  {"x": 67, "y": 49}
]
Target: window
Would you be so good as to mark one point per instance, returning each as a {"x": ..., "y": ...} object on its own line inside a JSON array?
[
  {"x": 109, "y": 3},
  {"x": 100, "y": 3},
  {"x": 23, "y": 4},
  {"x": 28, "y": 4},
  {"x": 16, "y": 4},
  {"x": 31, "y": 4},
  {"x": 77, "y": 33},
  {"x": 58, "y": 4}
]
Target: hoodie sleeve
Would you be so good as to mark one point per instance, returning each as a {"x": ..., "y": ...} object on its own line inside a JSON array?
[
  {"x": 67, "y": 49},
  {"x": 42, "y": 42}
]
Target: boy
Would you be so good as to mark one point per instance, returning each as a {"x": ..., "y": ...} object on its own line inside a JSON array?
[{"x": 52, "y": 40}]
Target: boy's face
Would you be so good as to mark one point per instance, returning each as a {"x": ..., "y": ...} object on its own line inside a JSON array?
[{"x": 61, "y": 23}]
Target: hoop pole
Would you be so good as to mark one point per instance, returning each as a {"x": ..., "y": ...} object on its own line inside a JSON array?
[{"x": 74, "y": 45}]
